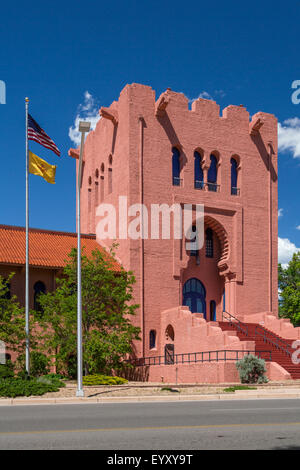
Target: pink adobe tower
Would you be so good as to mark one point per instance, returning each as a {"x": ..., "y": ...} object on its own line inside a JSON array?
[{"x": 158, "y": 151}]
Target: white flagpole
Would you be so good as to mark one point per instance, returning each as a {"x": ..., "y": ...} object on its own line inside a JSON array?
[
  {"x": 27, "y": 249},
  {"x": 83, "y": 128}
]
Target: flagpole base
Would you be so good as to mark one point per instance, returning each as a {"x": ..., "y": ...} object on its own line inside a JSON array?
[{"x": 79, "y": 393}]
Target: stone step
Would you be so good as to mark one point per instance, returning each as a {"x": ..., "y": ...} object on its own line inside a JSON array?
[{"x": 278, "y": 355}]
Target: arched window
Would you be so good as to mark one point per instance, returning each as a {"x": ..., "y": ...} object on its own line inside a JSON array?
[
  {"x": 209, "y": 243},
  {"x": 194, "y": 251},
  {"x": 194, "y": 295},
  {"x": 169, "y": 333},
  {"x": 198, "y": 172},
  {"x": 110, "y": 175},
  {"x": 212, "y": 174},
  {"x": 194, "y": 230},
  {"x": 152, "y": 339},
  {"x": 102, "y": 182},
  {"x": 234, "y": 177},
  {"x": 39, "y": 288},
  {"x": 176, "y": 166}
]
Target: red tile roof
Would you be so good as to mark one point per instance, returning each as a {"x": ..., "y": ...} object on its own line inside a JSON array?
[{"x": 47, "y": 248}]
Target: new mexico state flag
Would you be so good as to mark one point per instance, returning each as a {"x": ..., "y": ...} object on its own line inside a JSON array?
[{"x": 39, "y": 167}]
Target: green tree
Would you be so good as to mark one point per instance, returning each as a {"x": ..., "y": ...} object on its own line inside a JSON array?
[
  {"x": 289, "y": 290},
  {"x": 12, "y": 318},
  {"x": 107, "y": 309}
]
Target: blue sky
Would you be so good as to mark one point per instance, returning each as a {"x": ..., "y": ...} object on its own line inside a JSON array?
[{"x": 73, "y": 57}]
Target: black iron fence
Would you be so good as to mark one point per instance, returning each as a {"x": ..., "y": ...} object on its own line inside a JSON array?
[{"x": 225, "y": 355}]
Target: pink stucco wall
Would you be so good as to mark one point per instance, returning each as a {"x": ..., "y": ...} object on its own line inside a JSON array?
[
  {"x": 213, "y": 372},
  {"x": 280, "y": 326},
  {"x": 191, "y": 333},
  {"x": 130, "y": 154}
]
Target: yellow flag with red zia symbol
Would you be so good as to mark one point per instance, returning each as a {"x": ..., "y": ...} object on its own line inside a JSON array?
[{"x": 40, "y": 167}]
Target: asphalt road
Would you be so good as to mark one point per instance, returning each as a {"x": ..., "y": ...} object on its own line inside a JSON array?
[{"x": 246, "y": 424}]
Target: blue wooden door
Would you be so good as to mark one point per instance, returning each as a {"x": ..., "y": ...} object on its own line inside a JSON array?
[{"x": 194, "y": 295}]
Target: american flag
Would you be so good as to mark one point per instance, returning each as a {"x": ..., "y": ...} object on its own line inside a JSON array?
[{"x": 36, "y": 133}]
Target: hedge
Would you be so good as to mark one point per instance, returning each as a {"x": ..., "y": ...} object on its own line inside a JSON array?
[
  {"x": 99, "y": 379},
  {"x": 18, "y": 387}
]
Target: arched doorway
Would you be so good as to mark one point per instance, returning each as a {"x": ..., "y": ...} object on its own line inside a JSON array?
[{"x": 194, "y": 295}]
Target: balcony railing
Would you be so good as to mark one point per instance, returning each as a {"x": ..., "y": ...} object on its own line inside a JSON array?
[
  {"x": 235, "y": 191},
  {"x": 213, "y": 187},
  {"x": 199, "y": 184},
  {"x": 177, "y": 181},
  {"x": 210, "y": 186}
]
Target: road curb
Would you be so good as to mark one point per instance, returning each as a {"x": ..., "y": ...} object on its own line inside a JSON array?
[{"x": 237, "y": 395}]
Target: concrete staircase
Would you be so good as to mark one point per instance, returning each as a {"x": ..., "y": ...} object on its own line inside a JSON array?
[{"x": 266, "y": 342}]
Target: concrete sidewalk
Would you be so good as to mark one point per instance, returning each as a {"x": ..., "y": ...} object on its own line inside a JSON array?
[{"x": 275, "y": 393}]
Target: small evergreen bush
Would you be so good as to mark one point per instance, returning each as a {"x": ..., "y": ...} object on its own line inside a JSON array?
[
  {"x": 51, "y": 379},
  {"x": 99, "y": 379},
  {"x": 6, "y": 370},
  {"x": 252, "y": 370},
  {"x": 17, "y": 387}
]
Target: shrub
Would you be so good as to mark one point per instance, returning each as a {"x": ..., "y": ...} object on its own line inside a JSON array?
[
  {"x": 51, "y": 379},
  {"x": 17, "y": 387},
  {"x": 6, "y": 370},
  {"x": 72, "y": 367},
  {"x": 55, "y": 376},
  {"x": 252, "y": 370},
  {"x": 99, "y": 379},
  {"x": 39, "y": 364}
]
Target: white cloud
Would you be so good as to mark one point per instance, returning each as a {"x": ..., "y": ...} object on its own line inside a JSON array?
[
  {"x": 286, "y": 249},
  {"x": 289, "y": 136},
  {"x": 203, "y": 94},
  {"x": 87, "y": 111},
  {"x": 298, "y": 227},
  {"x": 280, "y": 212}
]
